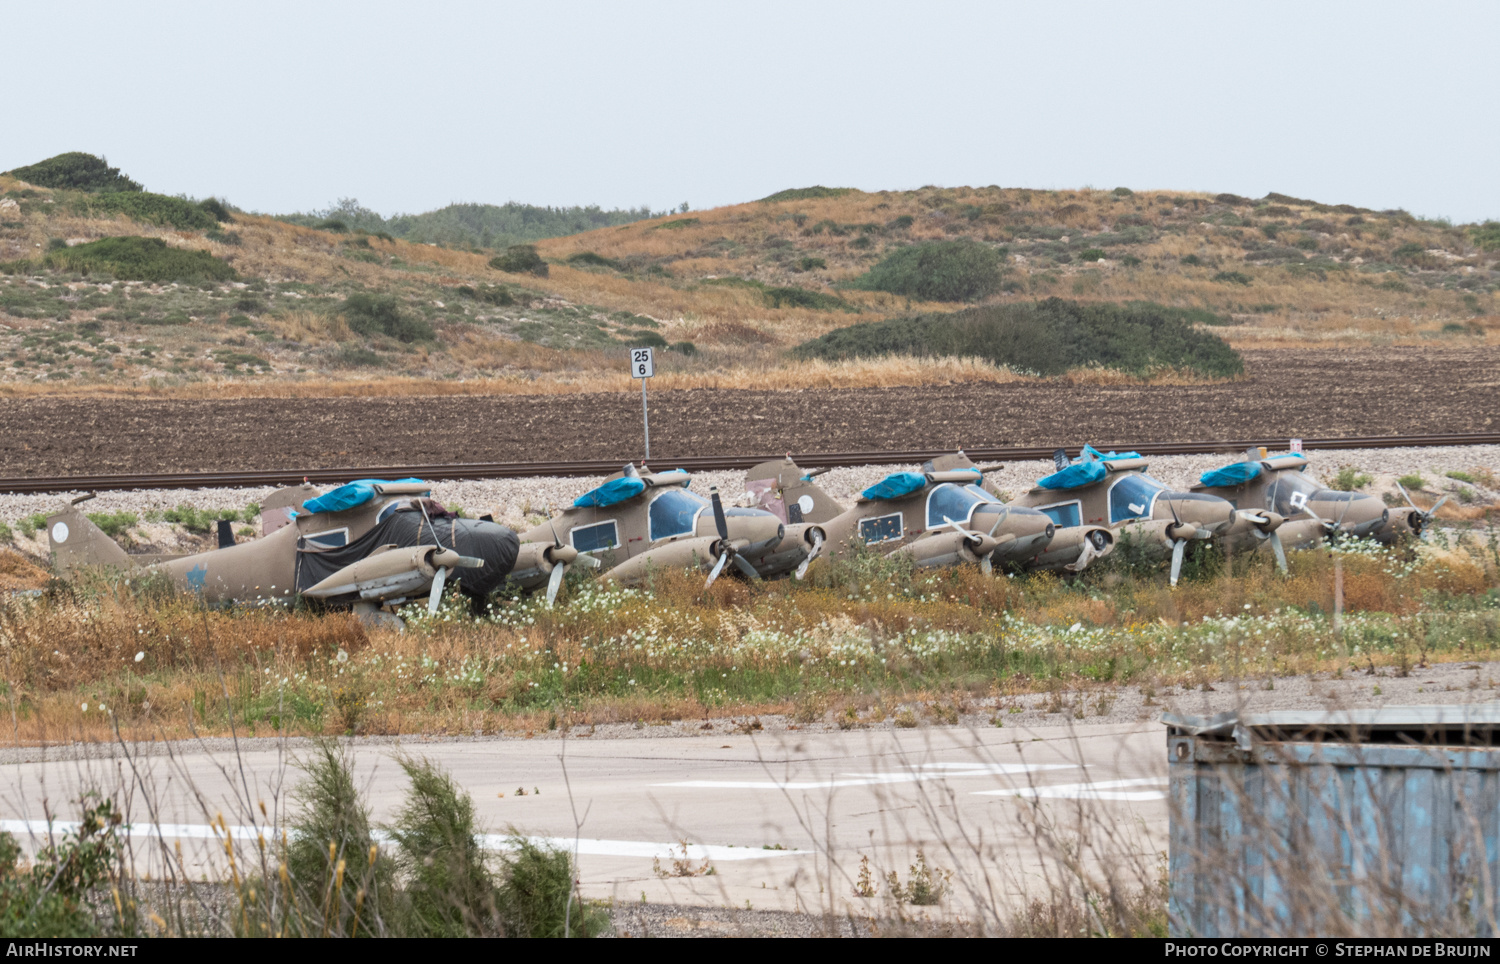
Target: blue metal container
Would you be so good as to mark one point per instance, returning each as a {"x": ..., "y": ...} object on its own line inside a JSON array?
[{"x": 1374, "y": 822}]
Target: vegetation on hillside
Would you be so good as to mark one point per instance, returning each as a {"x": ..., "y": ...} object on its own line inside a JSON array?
[
  {"x": 472, "y": 225},
  {"x": 130, "y": 258},
  {"x": 1045, "y": 338},
  {"x": 961, "y": 270},
  {"x": 75, "y": 171}
]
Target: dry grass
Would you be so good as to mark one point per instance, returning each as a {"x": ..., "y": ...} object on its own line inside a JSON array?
[{"x": 674, "y": 652}]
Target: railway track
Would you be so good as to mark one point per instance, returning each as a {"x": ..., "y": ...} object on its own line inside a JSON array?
[{"x": 511, "y": 470}]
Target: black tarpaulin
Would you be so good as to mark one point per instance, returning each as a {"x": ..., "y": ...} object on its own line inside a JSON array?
[{"x": 493, "y": 543}]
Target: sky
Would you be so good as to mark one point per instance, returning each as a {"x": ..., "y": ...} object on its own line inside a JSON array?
[{"x": 410, "y": 106}]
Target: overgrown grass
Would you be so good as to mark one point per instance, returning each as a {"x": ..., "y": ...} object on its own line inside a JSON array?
[
  {"x": 864, "y": 626},
  {"x": 159, "y": 209},
  {"x": 1046, "y": 338},
  {"x": 75, "y": 171}
]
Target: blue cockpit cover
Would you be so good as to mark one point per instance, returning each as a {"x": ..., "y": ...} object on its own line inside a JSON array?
[
  {"x": 1074, "y": 476},
  {"x": 348, "y": 496},
  {"x": 611, "y": 493},
  {"x": 1231, "y": 475},
  {"x": 1092, "y": 452},
  {"x": 895, "y": 485},
  {"x": 674, "y": 477}
]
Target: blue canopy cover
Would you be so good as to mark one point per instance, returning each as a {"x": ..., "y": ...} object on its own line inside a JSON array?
[{"x": 348, "y": 496}]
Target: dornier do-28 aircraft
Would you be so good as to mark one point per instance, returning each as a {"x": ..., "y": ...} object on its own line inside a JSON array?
[
  {"x": 639, "y": 520},
  {"x": 940, "y": 516},
  {"x": 1114, "y": 490},
  {"x": 1313, "y": 512},
  {"x": 368, "y": 544}
]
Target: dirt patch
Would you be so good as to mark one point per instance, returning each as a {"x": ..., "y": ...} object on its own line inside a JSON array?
[{"x": 1391, "y": 391}]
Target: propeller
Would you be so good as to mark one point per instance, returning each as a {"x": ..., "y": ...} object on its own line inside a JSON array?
[
  {"x": 562, "y": 557},
  {"x": 1426, "y": 514},
  {"x": 986, "y": 566},
  {"x": 1093, "y": 545},
  {"x": 446, "y": 560},
  {"x": 727, "y": 551},
  {"x": 1267, "y": 527},
  {"x": 817, "y": 547},
  {"x": 1179, "y": 545}
]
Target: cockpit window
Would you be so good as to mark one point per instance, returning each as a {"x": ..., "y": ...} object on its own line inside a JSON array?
[
  {"x": 1132, "y": 497},
  {"x": 675, "y": 513},
  {"x": 949, "y": 502},
  {"x": 983, "y": 495},
  {"x": 1289, "y": 493}
]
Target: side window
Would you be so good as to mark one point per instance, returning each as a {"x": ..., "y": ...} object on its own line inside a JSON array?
[
  {"x": 949, "y": 501},
  {"x": 332, "y": 539},
  {"x": 604, "y": 535},
  {"x": 674, "y": 513},
  {"x": 881, "y": 528},
  {"x": 1064, "y": 516}
]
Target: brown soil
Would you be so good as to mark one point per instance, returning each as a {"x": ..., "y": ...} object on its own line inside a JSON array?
[{"x": 1394, "y": 391}]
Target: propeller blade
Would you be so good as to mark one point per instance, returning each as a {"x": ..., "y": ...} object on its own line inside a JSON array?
[
  {"x": 589, "y": 561},
  {"x": 1435, "y": 506},
  {"x": 1178, "y": 548},
  {"x": 436, "y": 596},
  {"x": 1175, "y": 520},
  {"x": 554, "y": 583},
  {"x": 817, "y": 547},
  {"x": 1407, "y": 496},
  {"x": 471, "y": 562},
  {"x": 744, "y": 566},
  {"x": 999, "y": 519},
  {"x": 721, "y": 523},
  {"x": 718, "y": 568},
  {"x": 1279, "y": 549},
  {"x": 987, "y": 565}
]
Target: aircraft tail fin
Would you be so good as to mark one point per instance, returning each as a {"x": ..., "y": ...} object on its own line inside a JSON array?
[
  {"x": 76, "y": 542},
  {"x": 787, "y": 491}
]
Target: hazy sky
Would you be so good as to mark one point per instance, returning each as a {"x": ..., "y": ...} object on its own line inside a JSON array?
[{"x": 409, "y": 106}]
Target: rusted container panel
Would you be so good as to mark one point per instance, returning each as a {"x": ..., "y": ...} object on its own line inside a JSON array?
[{"x": 1353, "y": 822}]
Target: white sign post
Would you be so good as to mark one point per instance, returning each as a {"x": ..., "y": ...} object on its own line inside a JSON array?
[
  {"x": 643, "y": 366},
  {"x": 1296, "y": 445}
]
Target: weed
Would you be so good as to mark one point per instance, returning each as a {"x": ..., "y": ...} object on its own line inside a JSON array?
[
  {"x": 1232, "y": 278},
  {"x": 906, "y": 719},
  {"x": 682, "y": 865},
  {"x": 49, "y": 898},
  {"x": 538, "y": 897},
  {"x": 1414, "y": 483},
  {"x": 1458, "y": 475},
  {"x": 448, "y": 887},
  {"x": 114, "y": 524},
  {"x": 816, "y": 192},
  {"x": 1349, "y": 479},
  {"x": 864, "y": 884},
  {"x": 1092, "y": 254},
  {"x": 924, "y": 887},
  {"x": 676, "y": 225}
]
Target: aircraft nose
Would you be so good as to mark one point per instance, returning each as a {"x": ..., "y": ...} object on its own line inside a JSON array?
[{"x": 1205, "y": 512}]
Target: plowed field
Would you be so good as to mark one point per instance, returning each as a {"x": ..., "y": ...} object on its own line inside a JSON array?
[{"x": 1395, "y": 391}]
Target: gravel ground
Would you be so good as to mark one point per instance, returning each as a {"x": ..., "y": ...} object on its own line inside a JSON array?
[{"x": 516, "y": 500}]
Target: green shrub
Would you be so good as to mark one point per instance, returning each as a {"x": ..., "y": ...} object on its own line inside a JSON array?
[
  {"x": 810, "y": 264},
  {"x": 806, "y": 193},
  {"x": 30, "y": 524},
  {"x": 50, "y": 897},
  {"x": 1047, "y": 337},
  {"x": 139, "y": 259},
  {"x": 217, "y": 210},
  {"x": 202, "y": 521},
  {"x": 520, "y": 259},
  {"x": 1349, "y": 478},
  {"x": 538, "y": 898},
  {"x": 803, "y": 298},
  {"x": 594, "y": 260},
  {"x": 675, "y": 225},
  {"x": 5, "y": 534},
  {"x": 357, "y": 356},
  {"x": 900, "y": 223},
  {"x": 159, "y": 209},
  {"x": 333, "y": 225},
  {"x": 370, "y": 314},
  {"x": 222, "y": 237},
  {"x": 1092, "y": 254},
  {"x": 1487, "y": 235},
  {"x": 488, "y": 294},
  {"x": 449, "y": 890},
  {"x": 961, "y": 270},
  {"x": 1412, "y": 482},
  {"x": 640, "y": 338},
  {"x": 114, "y": 524},
  {"x": 683, "y": 348},
  {"x": 75, "y": 171},
  {"x": 1233, "y": 278},
  {"x": 1459, "y": 476},
  {"x": 1190, "y": 259}
]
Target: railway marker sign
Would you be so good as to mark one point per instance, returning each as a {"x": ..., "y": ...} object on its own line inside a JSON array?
[{"x": 643, "y": 366}]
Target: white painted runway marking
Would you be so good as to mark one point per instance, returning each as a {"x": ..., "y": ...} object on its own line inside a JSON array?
[
  {"x": 926, "y": 771},
  {"x": 1102, "y": 790},
  {"x": 586, "y": 846}
]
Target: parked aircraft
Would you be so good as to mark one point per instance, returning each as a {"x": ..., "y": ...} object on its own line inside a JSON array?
[
  {"x": 368, "y": 544},
  {"x": 940, "y": 516},
  {"x": 639, "y": 520},
  {"x": 1313, "y": 512},
  {"x": 1114, "y": 490}
]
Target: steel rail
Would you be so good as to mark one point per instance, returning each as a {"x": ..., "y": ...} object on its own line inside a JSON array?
[{"x": 513, "y": 470}]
